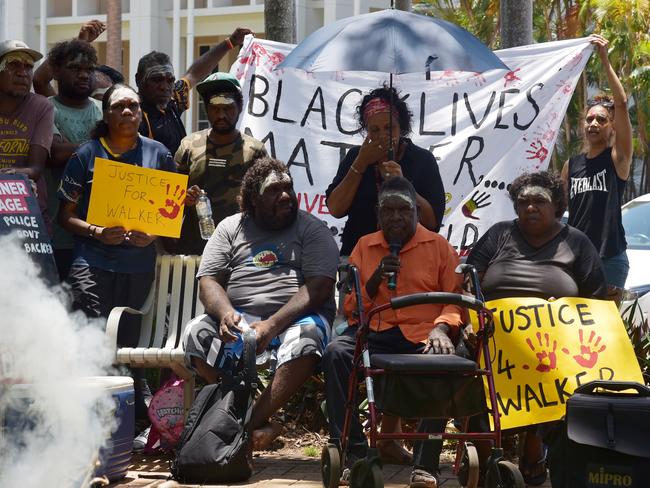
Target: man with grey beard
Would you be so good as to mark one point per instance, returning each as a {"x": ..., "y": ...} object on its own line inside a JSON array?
[{"x": 25, "y": 118}]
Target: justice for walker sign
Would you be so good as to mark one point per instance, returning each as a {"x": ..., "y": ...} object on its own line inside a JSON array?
[
  {"x": 484, "y": 128},
  {"x": 543, "y": 350}
]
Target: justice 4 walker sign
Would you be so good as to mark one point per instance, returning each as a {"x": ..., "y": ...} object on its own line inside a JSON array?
[
  {"x": 543, "y": 350},
  {"x": 20, "y": 215},
  {"x": 484, "y": 129}
]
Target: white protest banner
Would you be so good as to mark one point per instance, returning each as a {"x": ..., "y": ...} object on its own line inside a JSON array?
[{"x": 485, "y": 129}]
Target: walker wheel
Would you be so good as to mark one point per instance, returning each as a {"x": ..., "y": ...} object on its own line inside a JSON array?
[
  {"x": 468, "y": 473},
  {"x": 510, "y": 476},
  {"x": 366, "y": 474},
  {"x": 330, "y": 466}
]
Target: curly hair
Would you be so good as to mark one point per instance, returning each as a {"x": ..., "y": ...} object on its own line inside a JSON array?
[
  {"x": 154, "y": 58},
  {"x": 404, "y": 115},
  {"x": 65, "y": 50},
  {"x": 546, "y": 179},
  {"x": 253, "y": 179},
  {"x": 604, "y": 101},
  {"x": 112, "y": 73}
]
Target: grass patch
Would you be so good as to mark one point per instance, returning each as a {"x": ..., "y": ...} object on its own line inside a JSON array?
[{"x": 311, "y": 451}]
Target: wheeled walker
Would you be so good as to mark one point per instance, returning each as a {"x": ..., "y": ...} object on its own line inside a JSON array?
[{"x": 422, "y": 386}]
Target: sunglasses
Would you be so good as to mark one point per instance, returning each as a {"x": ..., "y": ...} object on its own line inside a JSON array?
[{"x": 592, "y": 102}]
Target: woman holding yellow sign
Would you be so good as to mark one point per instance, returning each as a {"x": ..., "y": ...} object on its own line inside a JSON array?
[
  {"x": 112, "y": 266},
  {"x": 536, "y": 255}
]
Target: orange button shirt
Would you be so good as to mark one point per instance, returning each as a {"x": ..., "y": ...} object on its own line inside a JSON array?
[{"x": 427, "y": 263}]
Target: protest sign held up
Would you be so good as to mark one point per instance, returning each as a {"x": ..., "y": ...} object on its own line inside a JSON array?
[
  {"x": 136, "y": 198},
  {"x": 543, "y": 350},
  {"x": 20, "y": 214}
]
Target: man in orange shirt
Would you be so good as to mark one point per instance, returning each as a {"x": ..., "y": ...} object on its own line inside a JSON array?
[{"x": 420, "y": 261}]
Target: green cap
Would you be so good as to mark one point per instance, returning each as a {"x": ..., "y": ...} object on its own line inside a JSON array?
[{"x": 218, "y": 82}]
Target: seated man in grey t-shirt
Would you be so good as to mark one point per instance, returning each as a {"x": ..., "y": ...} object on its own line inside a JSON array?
[{"x": 271, "y": 267}]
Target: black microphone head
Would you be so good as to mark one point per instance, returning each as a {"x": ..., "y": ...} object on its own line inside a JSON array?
[{"x": 394, "y": 247}]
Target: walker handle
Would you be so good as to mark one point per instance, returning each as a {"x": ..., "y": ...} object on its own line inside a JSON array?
[
  {"x": 464, "y": 301},
  {"x": 614, "y": 386}
]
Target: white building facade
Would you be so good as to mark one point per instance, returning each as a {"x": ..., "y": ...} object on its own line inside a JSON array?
[{"x": 184, "y": 29}]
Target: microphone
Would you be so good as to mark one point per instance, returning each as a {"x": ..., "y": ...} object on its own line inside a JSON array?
[{"x": 394, "y": 247}]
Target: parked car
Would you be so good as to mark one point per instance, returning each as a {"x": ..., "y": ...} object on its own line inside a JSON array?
[{"x": 636, "y": 221}]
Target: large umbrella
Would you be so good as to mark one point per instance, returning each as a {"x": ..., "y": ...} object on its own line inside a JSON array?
[{"x": 392, "y": 41}]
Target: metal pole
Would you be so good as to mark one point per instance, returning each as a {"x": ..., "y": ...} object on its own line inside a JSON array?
[{"x": 189, "y": 55}]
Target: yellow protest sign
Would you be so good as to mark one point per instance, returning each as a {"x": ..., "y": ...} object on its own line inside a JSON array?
[
  {"x": 542, "y": 351},
  {"x": 143, "y": 199}
]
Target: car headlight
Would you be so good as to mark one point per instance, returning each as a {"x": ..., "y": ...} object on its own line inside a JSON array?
[{"x": 635, "y": 292}]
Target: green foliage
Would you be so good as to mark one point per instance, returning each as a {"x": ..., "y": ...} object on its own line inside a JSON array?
[
  {"x": 311, "y": 451},
  {"x": 639, "y": 333}
]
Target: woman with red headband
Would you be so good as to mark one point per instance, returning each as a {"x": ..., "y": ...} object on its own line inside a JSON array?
[
  {"x": 384, "y": 118},
  {"x": 386, "y": 152}
]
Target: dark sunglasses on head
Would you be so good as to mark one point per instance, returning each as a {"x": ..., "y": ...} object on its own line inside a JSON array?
[{"x": 592, "y": 102}]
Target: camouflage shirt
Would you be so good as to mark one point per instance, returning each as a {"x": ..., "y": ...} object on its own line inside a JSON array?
[{"x": 218, "y": 170}]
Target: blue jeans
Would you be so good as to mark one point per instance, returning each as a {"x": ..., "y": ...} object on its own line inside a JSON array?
[{"x": 616, "y": 269}]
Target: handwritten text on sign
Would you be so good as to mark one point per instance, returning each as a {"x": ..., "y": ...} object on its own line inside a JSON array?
[
  {"x": 143, "y": 199},
  {"x": 542, "y": 351}
]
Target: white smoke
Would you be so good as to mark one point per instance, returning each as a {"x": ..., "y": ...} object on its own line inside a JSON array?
[{"x": 44, "y": 354}]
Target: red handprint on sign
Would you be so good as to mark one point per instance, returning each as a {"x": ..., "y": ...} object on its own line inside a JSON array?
[
  {"x": 537, "y": 151},
  {"x": 588, "y": 352},
  {"x": 511, "y": 77},
  {"x": 546, "y": 356},
  {"x": 172, "y": 203}
]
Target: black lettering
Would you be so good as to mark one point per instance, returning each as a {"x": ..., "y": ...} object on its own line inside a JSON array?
[
  {"x": 531, "y": 396},
  {"x": 468, "y": 159},
  {"x": 550, "y": 314},
  {"x": 532, "y": 101},
  {"x": 301, "y": 147},
  {"x": 339, "y": 108},
  {"x": 468, "y": 106},
  {"x": 423, "y": 99},
  {"x": 502, "y": 105},
  {"x": 276, "y": 108},
  {"x": 510, "y": 403},
  {"x": 501, "y": 368},
  {"x": 606, "y": 373},
  {"x": 252, "y": 95},
  {"x": 506, "y": 328},
  {"x": 433, "y": 147},
  {"x": 454, "y": 113},
  {"x": 561, "y": 392},
  {"x": 520, "y": 311},
  {"x": 310, "y": 108},
  {"x": 268, "y": 137},
  {"x": 464, "y": 242},
  {"x": 582, "y": 315},
  {"x": 544, "y": 400},
  {"x": 536, "y": 308},
  {"x": 559, "y": 315},
  {"x": 578, "y": 376},
  {"x": 343, "y": 147}
]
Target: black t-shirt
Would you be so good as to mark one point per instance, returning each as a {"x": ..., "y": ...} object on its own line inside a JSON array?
[
  {"x": 419, "y": 166},
  {"x": 166, "y": 126},
  {"x": 566, "y": 266},
  {"x": 595, "y": 197}
]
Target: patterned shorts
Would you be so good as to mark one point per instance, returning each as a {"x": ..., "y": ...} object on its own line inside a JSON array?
[{"x": 308, "y": 335}]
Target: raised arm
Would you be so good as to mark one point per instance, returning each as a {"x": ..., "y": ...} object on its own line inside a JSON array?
[
  {"x": 622, "y": 150},
  {"x": 204, "y": 65}
]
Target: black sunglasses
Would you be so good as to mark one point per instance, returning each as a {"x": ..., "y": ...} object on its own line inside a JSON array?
[{"x": 592, "y": 102}]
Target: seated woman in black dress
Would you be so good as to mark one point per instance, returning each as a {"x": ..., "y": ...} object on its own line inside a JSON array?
[{"x": 536, "y": 255}]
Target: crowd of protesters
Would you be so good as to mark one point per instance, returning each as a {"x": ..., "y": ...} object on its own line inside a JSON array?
[{"x": 271, "y": 265}]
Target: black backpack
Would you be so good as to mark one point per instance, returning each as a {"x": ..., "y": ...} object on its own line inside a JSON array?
[{"x": 215, "y": 444}]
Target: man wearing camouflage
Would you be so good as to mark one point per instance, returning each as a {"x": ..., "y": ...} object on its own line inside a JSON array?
[{"x": 216, "y": 158}]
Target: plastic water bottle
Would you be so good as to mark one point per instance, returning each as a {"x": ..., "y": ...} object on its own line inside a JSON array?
[{"x": 204, "y": 212}]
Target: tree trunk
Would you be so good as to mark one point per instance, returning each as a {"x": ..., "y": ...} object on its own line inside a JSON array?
[
  {"x": 279, "y": 20},
  {"x": 404, "y": 5},
  {"x": 516, "y": 23},
  {"x": 114, "y": 34}
]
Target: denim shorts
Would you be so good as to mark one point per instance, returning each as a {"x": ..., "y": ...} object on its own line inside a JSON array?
[{"x": 616, "y": 269}]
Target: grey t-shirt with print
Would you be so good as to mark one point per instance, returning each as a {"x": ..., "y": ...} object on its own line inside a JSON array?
[{"x": 267, "y": 267}]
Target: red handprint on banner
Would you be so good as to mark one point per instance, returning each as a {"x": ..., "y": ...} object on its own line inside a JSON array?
[
  {"x": 546, "y": 356},
  {"x": 510, "y": 77},
  {"x": 172, "y": 203},
  {"x": 589, "y": 351},
  {"x": 537, "y": 151}
]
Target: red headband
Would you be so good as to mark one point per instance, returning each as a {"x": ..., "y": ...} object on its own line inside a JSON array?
[{"x": 378, "y": 106}]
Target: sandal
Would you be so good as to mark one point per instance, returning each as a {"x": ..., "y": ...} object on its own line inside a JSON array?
[{"x": 422, "y": 479}]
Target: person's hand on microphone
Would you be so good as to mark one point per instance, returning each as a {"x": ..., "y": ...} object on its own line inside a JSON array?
[{"x": 388, "y": 266}]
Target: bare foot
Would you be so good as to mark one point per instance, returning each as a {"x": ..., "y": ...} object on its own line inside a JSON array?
[
  {"x": 392, "y": 452},
  {"x": 265, "y": 435}
]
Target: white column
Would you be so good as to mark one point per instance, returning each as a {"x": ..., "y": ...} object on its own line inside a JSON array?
[
  {"x": 4, "y": 20},
  {"x": 189, "y": 59},
  {"x": 149, "y": 30},
  {"x": 42, "y": 41},
  {"x": 176, "y": 38}
]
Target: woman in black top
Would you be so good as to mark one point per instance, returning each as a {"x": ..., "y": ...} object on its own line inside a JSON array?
[
  {"x": 353, "y": 192},
  {"x": 536, "y": 255},
  {"x": 595, "y": 180}
]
